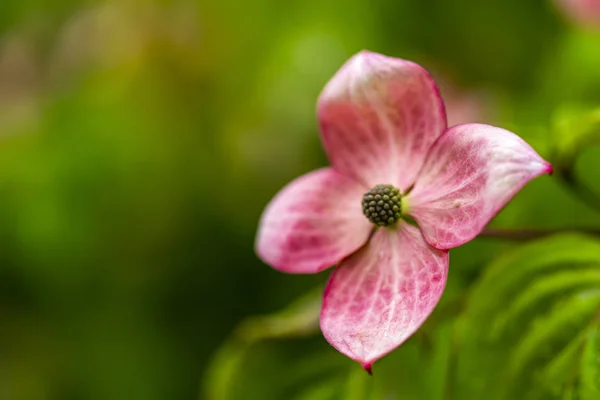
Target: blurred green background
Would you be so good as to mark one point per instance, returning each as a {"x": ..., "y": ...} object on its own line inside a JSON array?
[{"x": 140, "y": 141}]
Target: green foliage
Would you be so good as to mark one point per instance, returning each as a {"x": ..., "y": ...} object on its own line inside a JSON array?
[
  {"x": 299, "y": 319},
  {"x": 531, "y": 324},
  {"x": 254, "y": 351},
  {"x": 530, "y": 330},
  {"x": 287, "y": 344},
  {"x": 576, "y": 128}
]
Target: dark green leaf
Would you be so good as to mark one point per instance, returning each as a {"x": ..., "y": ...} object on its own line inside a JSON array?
[{"x": 531, "y": 324}]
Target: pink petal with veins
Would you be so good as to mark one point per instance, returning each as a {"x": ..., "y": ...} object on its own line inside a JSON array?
[
  {"x": 379, "y": 116},
  {"x": 472, "y": 171},
  {"x": 312, "y": 223},
  {"x": 379, "y": 296}
]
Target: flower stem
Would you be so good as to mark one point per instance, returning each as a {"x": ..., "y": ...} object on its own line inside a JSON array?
[{"x": 529, "y": 234}]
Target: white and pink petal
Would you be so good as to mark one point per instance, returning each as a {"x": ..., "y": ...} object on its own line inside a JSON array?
[
  {"x": 378, "y": 117},
  {"x": 470, "y": 174},
  {"x": 313, "y": 223},
  {"x": 379, "y": 296}
]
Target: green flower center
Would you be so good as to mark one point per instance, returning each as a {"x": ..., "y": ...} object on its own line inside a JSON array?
[{"x": 382, "y": 205}]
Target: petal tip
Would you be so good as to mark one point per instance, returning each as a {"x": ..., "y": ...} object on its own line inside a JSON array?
[
  {"x": 338, "y": 87},
  {"x": 365, "y": 320},
  {"x": 365, "y": 53},
  {"x": 368, "y": 56},
  {"x": 450, "y": 215}
]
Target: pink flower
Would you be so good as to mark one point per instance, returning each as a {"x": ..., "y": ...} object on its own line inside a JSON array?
[
  {"x": 383, "y": 126},
  {"x": 583, "y": 12}
]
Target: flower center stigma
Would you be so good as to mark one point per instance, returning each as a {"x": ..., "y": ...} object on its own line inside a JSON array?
[{"x": 382, "y": 205}]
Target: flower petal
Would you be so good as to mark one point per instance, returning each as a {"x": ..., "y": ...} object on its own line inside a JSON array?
[
  {"x": 379, "y": 296},
  {"x": 312, "y": 223},
  {"x": 379, "y": 116},
  {"x": 472, "y": 171}
]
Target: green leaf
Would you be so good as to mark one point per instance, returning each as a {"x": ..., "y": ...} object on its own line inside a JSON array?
[
  {"x": 589, "y": 388},
  {"x": 323, "y": 391},
  {"x": 544, "y": 341},
  {"x": 575, "y": 128},
  {"x": 285, "y": 345},
  {"x": 531, "y": 327},
  {"x": 241, "y": 367}
]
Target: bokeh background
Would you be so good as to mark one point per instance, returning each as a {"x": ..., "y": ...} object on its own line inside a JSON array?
[{"x": 140, "y": 141}]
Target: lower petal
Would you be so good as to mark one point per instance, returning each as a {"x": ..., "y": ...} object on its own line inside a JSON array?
[
  {"x": 312, "y": 223},
  {"x": 470, "y": 174},
  {"x": 379, "y": 296}
]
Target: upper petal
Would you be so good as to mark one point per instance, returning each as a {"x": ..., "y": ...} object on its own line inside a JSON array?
[
  {"x": 379, "y": 116},
  {"x": 379, "y": 296},
  {"x": 472, "y": 171},
  {"x": 312, "y": 223}
]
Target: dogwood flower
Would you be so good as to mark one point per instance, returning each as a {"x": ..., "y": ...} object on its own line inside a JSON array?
[{"x": 383, "y": 127}]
